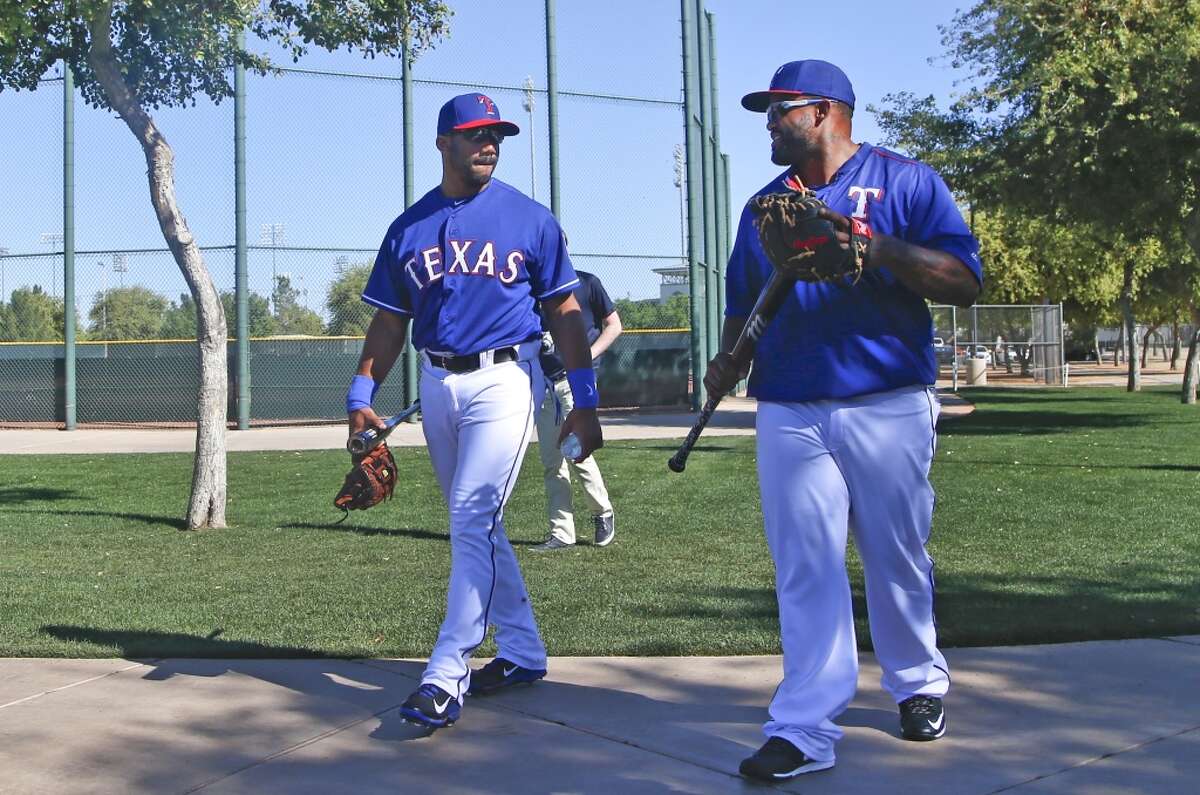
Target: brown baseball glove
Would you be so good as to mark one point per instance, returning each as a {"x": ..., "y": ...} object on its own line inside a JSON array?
[
  {"x": 369, "y": 483},
  {"x": 801, "y": 241}
]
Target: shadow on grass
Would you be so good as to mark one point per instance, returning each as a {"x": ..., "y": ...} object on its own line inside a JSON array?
[
  {"x": 418, "y": 533},
  {"x": 1138, "y": 601},
  {"x": 15, "y": 495},
  {"x": 1040, "y": 422},
  {"x": 177, "y": 522},
  {"x": 137, "y": 644}
]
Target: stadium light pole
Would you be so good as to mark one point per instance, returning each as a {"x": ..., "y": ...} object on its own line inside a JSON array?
[
  {"x": 3, "y": 257},
  {"x": 528, "y": 105},
  {"x": 52, "y": 239},
  {"x": 272, "y": 235},
  {"x": 680, "y": 170},
  {"x": 120, "y": 265}
]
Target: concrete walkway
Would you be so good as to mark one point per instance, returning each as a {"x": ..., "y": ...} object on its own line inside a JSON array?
[
  {"x": 1097, "y": 718},
  {"x": 735, "y": 416}
]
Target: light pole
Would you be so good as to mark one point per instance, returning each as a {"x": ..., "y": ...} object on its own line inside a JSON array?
[
  {"x": 103, "y": 298},
  {"x": 272, "y": 235},
  {"x": 54, "y": 240},
  {"x": 528, "y": 105},
  {"x": 680, "y": 171},
  {"x": 3, "y": 257},
  {"x": 120, "y": 265}
]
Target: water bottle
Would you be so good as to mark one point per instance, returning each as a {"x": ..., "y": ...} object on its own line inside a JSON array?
[{"x": 571, "y": 447}]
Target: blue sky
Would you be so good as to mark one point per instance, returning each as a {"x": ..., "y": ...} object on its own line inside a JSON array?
[{"x": 325, "y": 158}]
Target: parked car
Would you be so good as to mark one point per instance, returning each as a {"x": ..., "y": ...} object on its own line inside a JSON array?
[{"x": 977, "y": 351}]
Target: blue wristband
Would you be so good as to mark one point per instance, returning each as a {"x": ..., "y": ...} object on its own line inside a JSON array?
[
  {"x": 362, "y": 392},
  {"x": 583, "y": 388}
]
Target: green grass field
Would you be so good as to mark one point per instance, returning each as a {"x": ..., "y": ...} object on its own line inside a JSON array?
[{"x": 1062, "y": 515}]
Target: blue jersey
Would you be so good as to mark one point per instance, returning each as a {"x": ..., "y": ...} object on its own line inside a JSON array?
[
  {"x": 838, "y": 340},
  {"x": 469, "y": 271}
]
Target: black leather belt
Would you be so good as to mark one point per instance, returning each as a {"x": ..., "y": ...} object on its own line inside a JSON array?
[{"x": 470, "y": 363}]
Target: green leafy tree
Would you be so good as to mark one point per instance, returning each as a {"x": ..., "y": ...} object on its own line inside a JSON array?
[
  {"x": 292, "y": 317},
  {"x": 127, "y": 313},
  {"x": 349, "y": 315},
  {"x": 651, "y": 313},
  {"x": 31, "y": 316},
  {"x": 133, "y": 56},
  {"x": 1076, "y": 112},
  {"x": 179, "y": 322}
]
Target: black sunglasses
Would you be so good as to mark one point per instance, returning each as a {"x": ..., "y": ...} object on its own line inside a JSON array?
[{"x": 480, "y": 134}]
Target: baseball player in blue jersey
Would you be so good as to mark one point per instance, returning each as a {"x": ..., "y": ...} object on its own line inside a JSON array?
[
  {"x": 846, "y": 419},
  {"x": 465, "y": 265}
]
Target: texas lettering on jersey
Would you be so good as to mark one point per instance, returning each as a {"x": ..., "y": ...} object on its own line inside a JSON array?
[{"x": 428, "y": 266}]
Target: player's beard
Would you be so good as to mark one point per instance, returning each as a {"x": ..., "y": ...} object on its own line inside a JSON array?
[{"x": 793, "y": 146}]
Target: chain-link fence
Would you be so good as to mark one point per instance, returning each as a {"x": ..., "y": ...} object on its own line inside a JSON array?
[
  {"x": 1000, "y": 341},
  {"x": 324, "y": 178}
]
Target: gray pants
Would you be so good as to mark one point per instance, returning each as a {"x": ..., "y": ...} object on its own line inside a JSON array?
[{"x": 557, "y": 470}]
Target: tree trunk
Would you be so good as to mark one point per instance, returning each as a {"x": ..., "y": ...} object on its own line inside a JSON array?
[
  {"x": 1134, "y": 382},
  {"x": 1096, "y": 346},
  {"x": 1146, "y": 343},
  {"x": 1191, "y": 370},
  {"x": 206, "y": 507},
  {"x": 1119, "y": 348},
  {"x": 1175, "y": 346}
]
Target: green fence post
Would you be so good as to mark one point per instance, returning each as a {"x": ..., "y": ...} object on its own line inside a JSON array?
[
  {"x": 720, "y": 204},
  {"x": 708, "y": 157},
  {"x": 692, "y": 145},
  {"x": 68, "y": 248},
  {"x": 406, "y": 107},
  {"x": 552, "y": 106},
  {"x": 727, "y": 226},
  {"x": 241, "y": 276}
]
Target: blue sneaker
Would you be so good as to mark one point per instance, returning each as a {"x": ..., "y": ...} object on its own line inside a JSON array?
[
  {"x": 499, "y": 674},
  {"x": 431, "y": 706}
]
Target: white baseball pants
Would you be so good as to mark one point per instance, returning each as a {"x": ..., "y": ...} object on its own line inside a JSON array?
[
  {"x": 826, "y": 467},
  {"x": 477, "y": 426},
  {"x": 556, "y": 470}
]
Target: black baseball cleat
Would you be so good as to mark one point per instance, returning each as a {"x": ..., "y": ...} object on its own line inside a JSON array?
[
  {"x": 922, "y": 718},
  {"x": 778, "y": 760},
  {"x": 431, "y": 706},
  {"x": 499, "y": 674}
]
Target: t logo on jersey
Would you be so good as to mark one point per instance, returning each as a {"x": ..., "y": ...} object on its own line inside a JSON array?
[
  {"x": 489, "y": 107},
  {"x": 861, "y": 195}
]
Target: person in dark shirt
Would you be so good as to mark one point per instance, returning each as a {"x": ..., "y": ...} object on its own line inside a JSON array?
[{"x": 603, "y": 325}]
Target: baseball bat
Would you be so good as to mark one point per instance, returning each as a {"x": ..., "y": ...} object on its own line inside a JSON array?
[
  {"x": 768, "y": 303},
  {"x": 362, "y": 442}
]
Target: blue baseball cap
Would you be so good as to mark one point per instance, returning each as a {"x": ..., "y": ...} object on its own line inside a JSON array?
[
  {"x": 803, "y": 78},
  {"x": 467, "y": 111}
]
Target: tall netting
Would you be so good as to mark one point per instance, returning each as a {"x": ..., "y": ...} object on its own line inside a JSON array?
[
  {"x": 324, "y": 179},
  {"x": 1006, "y": 341}
]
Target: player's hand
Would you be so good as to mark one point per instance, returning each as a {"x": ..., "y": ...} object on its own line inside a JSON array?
[
  {"x": 585, "y": 424},
  {"x": 841, "y": 227},
  {"x": 723, "y": 374},
  {"x": 364, "y": 418}
]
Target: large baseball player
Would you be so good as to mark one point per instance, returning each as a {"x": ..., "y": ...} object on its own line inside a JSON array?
[
  {"x": 846, "y": 418},
  {"x": 465, "y": 265}
]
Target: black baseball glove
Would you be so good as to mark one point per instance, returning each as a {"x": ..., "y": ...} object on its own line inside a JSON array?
[{"x": 799, "y": 235}]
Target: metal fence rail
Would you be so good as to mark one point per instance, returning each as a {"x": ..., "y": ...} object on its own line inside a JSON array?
[
  {"x": 1022, "y": 340},
  {"x": 324, "y": 175}
]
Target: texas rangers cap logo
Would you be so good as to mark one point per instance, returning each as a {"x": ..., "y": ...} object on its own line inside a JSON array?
[{"x": 489, "y": 107}]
